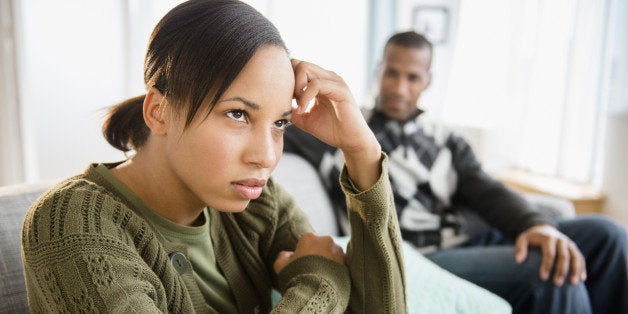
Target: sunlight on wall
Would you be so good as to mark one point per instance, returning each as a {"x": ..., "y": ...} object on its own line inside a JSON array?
[
  {"x": 70, "y": 67},
  {"x": 528, "y": 74},
  {"x": 330, "y": 33}
]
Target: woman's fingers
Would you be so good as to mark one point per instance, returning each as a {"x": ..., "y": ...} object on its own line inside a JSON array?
[
  {"x": 312, "y": 81},
  {"x": 311, "y": 244},
  {"x": 283, "y": 259}
]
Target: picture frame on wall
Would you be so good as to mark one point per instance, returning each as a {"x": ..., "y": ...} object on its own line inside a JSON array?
[{"x": 432, "y": 22}]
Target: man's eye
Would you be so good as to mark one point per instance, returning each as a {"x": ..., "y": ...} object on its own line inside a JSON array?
[
  {"x": 238, "y": 115},
  {"x": 282, "y": 124}
]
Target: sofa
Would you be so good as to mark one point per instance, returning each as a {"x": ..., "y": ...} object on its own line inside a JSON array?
[{"x": 446, "y": 293}]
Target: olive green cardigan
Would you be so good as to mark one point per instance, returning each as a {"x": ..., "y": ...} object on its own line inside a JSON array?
[{"x": 86, "y": 248}]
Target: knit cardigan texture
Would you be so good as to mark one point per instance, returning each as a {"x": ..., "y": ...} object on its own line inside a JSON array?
[{"x": 85, "y": 248}]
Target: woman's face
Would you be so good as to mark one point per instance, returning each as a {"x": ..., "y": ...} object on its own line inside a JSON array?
[{"x": 226, "y": 158}]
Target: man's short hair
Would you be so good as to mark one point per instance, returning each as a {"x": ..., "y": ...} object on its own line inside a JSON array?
[{"x": 410, "y": 39}]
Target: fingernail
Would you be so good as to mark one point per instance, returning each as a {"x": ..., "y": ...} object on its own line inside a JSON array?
[{"x": 310, "y": 104}]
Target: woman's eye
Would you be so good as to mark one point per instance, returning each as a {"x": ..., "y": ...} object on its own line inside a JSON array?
[
  {"x": 282, "y": 124},
  {"x": 238, "y": 115}
]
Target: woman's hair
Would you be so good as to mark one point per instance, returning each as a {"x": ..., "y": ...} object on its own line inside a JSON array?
[{"x": 194, "y": 54}]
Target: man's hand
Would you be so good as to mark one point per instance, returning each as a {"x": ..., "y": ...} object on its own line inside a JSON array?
[
  {"x": 311, "y": 244},
  {"x": 558, "y": 251}
]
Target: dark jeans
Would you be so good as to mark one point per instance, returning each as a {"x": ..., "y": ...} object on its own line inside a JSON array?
[{"x": 489, "y": 262}]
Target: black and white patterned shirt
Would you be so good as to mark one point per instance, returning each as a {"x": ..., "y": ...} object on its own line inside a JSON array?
[{"x": 439, "y": 186}]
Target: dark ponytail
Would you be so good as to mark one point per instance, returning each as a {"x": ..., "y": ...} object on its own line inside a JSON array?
[
  {"x": 194, "y": 54},
  {"x": 124, "y": 127}
]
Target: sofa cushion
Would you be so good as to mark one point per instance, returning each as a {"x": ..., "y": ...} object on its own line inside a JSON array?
[
  {"x": 14, "y": 202},
  {"x": 302, "y": 181}
]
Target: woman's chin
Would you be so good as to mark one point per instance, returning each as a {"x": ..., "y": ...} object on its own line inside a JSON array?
[{"x": 232, "y": 207}]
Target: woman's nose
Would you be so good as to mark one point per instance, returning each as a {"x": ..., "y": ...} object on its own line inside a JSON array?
[{"x": 263, "y": 150}]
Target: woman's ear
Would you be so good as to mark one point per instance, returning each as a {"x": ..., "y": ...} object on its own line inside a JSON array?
[{"x": 154, "y": 111}]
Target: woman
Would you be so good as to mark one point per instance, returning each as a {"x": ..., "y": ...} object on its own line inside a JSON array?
[{"x": 192, "y": 222}]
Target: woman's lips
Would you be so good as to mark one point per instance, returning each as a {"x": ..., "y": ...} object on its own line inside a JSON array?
[{"x": 250, "y": 188}]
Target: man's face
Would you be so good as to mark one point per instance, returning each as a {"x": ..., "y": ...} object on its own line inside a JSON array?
[{"x": 405, "y": 75}]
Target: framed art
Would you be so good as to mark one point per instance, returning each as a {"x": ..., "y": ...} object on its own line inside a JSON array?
[{"x": 432, "y": 22}]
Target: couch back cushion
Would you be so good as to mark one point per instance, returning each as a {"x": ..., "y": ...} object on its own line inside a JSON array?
[
  {"x": 302, "y": 181},
  {"x": 14, "y": 202}
]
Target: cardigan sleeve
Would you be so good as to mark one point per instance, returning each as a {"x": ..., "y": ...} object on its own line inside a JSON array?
[
  {"x": 310, "y": 282},
  {"x": 373, "y": 280},
  {"x": 374, "y": 254}
]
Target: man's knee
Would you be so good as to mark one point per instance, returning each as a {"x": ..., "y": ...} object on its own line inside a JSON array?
[
  {"x": 591, "y": 231},
  {"x": 537, "y": 296},
  {"x": 609, "y": 229}
]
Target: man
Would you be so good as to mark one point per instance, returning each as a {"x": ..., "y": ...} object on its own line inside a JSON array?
[{"x": 537, "y": 264}]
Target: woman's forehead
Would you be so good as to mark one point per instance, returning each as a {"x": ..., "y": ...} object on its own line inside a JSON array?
[{"x": 266, "y": 78}]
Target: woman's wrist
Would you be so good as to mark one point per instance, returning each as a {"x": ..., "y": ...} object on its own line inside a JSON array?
[{"x": 364, "y": 165}]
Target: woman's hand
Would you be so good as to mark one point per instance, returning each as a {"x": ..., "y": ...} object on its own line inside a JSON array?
[
  {"x": 311, "y": 244},
  {"x": 327, "y": 110}
]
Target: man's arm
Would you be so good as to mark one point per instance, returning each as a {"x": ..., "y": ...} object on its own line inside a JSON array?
[
  {"x": 500, "y": 206},
  {"x": 513, "y": 215}
]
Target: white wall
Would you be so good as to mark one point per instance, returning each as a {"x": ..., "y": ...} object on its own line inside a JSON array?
[
  {"x": 71, "y": 66},
  {"x": 330, "y": 33},
  {"x": 614, "y": 150},
  {"x": 615, "y": 167},
  {"x": 10, "y": 143}
]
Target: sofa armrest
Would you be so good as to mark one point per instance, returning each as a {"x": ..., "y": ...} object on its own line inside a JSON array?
[{"x": 557, "y": 207}]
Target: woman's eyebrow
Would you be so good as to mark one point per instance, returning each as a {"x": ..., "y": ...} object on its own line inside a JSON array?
[
  {"x": 247, "y": 103},
  {"x": 252, "y": 105}
]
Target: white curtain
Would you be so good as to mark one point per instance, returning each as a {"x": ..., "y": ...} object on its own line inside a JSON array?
[
  {"x": 10, "y": 148},
  {"x": 529, "y": 73}
]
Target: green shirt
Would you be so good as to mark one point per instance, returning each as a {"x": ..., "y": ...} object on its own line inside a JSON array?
[{"x": 210, "y": 280}]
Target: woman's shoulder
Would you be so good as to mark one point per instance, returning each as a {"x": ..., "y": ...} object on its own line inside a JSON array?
[
  {"x": 69, "y": 192},
  {"x": 76, "y": 206}
]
